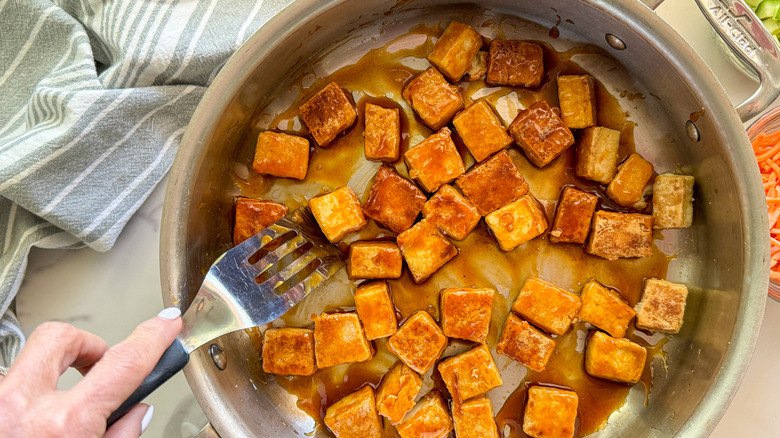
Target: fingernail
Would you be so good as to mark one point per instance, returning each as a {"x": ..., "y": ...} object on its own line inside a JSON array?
[
  {"x": 147, "y": 418},
  {"x": 170, "y": 313}
]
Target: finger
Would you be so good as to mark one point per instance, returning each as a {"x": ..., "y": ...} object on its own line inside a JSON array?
[
  {"x": 50, "y": 350},
  {"x": 133, "y": 424},
  {"x": 125, "y": 365}
]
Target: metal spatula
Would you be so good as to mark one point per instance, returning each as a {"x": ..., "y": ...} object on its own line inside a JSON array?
[{"x": 252, "y": 284}]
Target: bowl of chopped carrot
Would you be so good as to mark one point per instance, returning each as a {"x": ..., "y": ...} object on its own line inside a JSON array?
[{"x": 764, "y": 134}]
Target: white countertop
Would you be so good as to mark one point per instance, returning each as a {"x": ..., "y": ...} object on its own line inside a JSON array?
[{"x": 109, "y": 294}]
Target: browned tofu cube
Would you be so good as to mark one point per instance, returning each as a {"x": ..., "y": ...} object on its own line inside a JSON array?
[
  {"x": 355, "y": 416},
  {"x": 452, "y": 214},
  {"x": 577, "y": 97},
  {"x": 435, "y": 161},
  {"x": 605, "y": 309},
  {"x": 470, "y": 374},
  {"x": 453, "y": 52},
  {"x": 618, "y": 235},
  {"x": 493, "y": 184},
  {"x": 597, "y": 154},
  {"x": 474, "y": 419},
  {"x": 429, "y": 419},
  {"x": 547, "y": 306},
  {"x": 616, "y": 359},
  {"x": 630, "y": 181},
  {"x": 540, "y": 133},
  {"x": 375, "y": 309},
  {"x": 433, "y": 98},
  {"x": 382, "y": 134},
  {"x": 419, "y": 342},
  {"x": 393, "y": 201},
  {"x": 573, "y": 216},
  {"x": 281, "y": 155},
  {"x": 517, "y": 222},
  {"x": 478, "y": 67},
  {"x": 339, "y": 338},
  {"x": 328, "y": 113},
  {"x": 425, "y": 249},
  {"x": 550, "y": 412},
  {"x": 515, "y": 63},
  {"x": 253, "y": 216},
  {"x": 465, "y": 313},
  {"x": 338, "y": 213},
  {"x": 381, "y": 259},
  {"x": 481, "y": 130},
  {"x": 662, "y": 307},
  {"x": 673, "y": 201},
  {"x": 289, "y": 351},
  {"x": 525, "y": 344},
  {"x": 396, "y": 394}
]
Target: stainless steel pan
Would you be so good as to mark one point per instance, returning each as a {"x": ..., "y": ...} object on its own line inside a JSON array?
[{"x": 685, "y": 121}]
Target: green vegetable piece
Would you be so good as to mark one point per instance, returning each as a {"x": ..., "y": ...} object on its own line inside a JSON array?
[
  {"x": 767, "y": 9},
  {"x": 753, "y": 4},
  {"x": 772, "y": 26}
]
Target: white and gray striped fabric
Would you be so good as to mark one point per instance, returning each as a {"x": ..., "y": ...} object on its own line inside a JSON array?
[{"x": 94, "y": 98}]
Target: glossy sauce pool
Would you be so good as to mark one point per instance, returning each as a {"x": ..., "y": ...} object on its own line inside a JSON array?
[{"x": 379, "y": 77}]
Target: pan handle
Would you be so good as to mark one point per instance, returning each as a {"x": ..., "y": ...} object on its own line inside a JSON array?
[{"x": 746, "y": 36}]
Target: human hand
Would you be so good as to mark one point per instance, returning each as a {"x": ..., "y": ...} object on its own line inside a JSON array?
[{"x": 32, "y": 406}]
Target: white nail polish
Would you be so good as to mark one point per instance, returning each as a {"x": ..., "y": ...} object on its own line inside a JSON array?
[
  {"x": 170, "y": 313},
  {"x": 147, "y": 418}
]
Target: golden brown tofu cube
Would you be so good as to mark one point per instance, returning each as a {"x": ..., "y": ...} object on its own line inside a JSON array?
[
  {"x": 253, "y": 216},
  {"x": 453, "y": 52},
  {"x": 396, "y": 394},
  {"x": 382, "y": 134},
  {"x": 419, "y": 342},
  {"x": 380, "y": 259},
  {"x": 481, "y": 130},
  {"x": 289, "y": 351},
  {"x": 547, "y": 306},
  {"x": 517, "y": 222},
  {"x": 474, "y": 419},
  {"x": 338, "y": 213},
  {"x": 339, "y": 338},
  {"x": 375, "y": 309},
  {"x": 393, "y": 201},
  {"x": 465, "y": 313},
  {"x": 478, "y": 67},
  {"x": 470, "y": 374},
  {"x": 429, "y": 419},
  {"x": 452, "y": 214},
  {"x": 433, "y": 98},
  {"x": 616, "y": 359},
  {"x": 425, "y": 249},
  {"x": 577, "y": 97},
  {"x": 630, "y": 181},
  {"x": 573, "y": 216},
  {"x": 605, "y": 309},
  {"x": 282, "y": 155},
  {"x": 328, "y": 113},
  {"x": 550, "y": 412},
  {"x": 662, "y": 307},
  {"x": 493, "y": 184},
  {"x": 515, "y": 63},
  {"x": 597, "y": 154},
  {"x": 355, "y": 416},
  {"x": 673, "y": 201},
  {"x": 525, "y": 344},
  {"x": 540, "y": 133},
  {"x": 616, "y": 235},
  {"x": 435, "y": 161}
]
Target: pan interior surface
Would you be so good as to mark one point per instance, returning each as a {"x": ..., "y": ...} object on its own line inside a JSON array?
[{"x": 719, "y": 258}]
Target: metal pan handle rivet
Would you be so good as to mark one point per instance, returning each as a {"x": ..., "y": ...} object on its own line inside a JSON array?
[
  {"x": 218, "y": 356},
  {"x": 615, "y": 42},
  {"x": 693, "y": 131}
]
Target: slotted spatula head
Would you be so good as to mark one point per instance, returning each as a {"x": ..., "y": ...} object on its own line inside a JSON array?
[{"x": 261, "y": 279}]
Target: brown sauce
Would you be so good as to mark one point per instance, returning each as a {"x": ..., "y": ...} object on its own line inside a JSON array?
[{"x": 379, "y": 77}]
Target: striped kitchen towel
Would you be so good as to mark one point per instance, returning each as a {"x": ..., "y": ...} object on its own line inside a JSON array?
[{"x": 94, "y": 98}]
